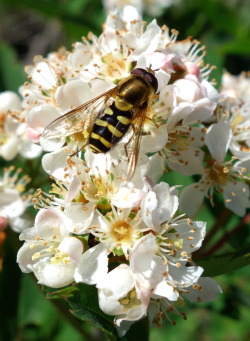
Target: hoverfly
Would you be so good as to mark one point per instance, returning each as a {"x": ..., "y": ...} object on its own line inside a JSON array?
[{"x": 102, "y": 125}]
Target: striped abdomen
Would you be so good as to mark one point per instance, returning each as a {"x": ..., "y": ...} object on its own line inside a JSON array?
[{"x": 108, "y": 130}]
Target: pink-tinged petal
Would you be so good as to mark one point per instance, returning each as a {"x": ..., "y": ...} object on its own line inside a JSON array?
[
  {"x": 40, "y": 116},
  {"x": 92, "y": 266},
  {"x": 30, "y": 150},
  {"x": 206, "y": 290},
  {"x": 191, "y": 199},
  {"x": 33, "y": 134},
  {"x": 236, "y": 197},
  {"x": 72, "y": 94},
  {"x": 217, "y": 139}
]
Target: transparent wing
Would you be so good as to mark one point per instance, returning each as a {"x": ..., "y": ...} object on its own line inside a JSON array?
[
  {"x": 132, "y": 147},
  {"x": 79, "y": 119}
]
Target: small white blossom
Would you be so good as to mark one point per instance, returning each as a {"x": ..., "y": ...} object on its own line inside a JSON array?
[
  {"x": 49, "y": 251},
  {"x": 219, "y": 175},
  {"x": 13, "y": 137},
  {"x": 14, "y": 201}
]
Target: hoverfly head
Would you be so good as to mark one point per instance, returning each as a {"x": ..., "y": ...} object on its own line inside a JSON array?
[{"x": 147, "y": 75}]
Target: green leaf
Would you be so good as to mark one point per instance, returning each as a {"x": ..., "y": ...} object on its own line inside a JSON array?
[
  {"x": 34, "y": 309},
  {"x": 84, "y": 304},
  {"x": 62, "y": 293},
  {"x": 218, "y": 265},
  {"x": 11, "y": 72}
]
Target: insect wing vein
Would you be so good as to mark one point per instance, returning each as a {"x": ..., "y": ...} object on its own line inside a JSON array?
[
  {"x": 132, "y": 147},
  {"x": 79, "y": 119}
]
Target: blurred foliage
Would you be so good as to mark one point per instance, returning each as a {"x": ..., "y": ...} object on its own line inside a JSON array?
[{"x": 31, "y": 27}]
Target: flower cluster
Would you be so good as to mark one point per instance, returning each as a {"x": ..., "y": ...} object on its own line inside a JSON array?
[
  {"x": 126, "y": 240},
  {"x": 124, "y": 234}
]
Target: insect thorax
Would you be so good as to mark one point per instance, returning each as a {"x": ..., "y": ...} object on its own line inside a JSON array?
[{"x": 135, "y": 91}]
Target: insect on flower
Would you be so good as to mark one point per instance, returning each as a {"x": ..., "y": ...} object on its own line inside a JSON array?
[{"x": 104, "y": 120}]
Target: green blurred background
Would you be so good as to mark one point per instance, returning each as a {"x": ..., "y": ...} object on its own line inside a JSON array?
[{"x": 29, "y": 28}]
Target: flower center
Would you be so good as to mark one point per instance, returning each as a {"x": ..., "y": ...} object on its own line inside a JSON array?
[
  {"x": 115, "y": 66},
  {"x": 218, "y": 173},
  {"x": 121, "y": 230},
  {"x": 130, "y": 300},
  {"x": 178, "y": 140},
  {"x": 60, "y": 257}
]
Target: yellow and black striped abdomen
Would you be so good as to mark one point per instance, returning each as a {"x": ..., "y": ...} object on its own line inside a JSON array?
[{"x": 108, "y": 130}]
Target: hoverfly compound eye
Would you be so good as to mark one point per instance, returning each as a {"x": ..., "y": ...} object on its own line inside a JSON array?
[
  {"x": 148, "y": 76},
  {"x": 138, "y": 72}
]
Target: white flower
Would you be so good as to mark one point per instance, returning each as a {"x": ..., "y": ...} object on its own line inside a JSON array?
[
  {"x": 236, "y": 87},
  {"x": 13, "y": 138},
  {"x": 219, "y": 175},
  {"x": 14, "y": 201},
  {"x": 49, "y": 252},
  {"x": 101, "y": 179},
  {"x": 120, "y": 295},
  {"x": 162, "y": 304},
  {"x": 237, "y": 117}
]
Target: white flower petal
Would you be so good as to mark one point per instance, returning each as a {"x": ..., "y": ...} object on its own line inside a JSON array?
[
  {"x": 55, "y": 162},
  {"x": 236, "y": 197},
  {"x": 217, "y": 139},
  {"x": 73, "y": 247},
  {"x": 54, "y": 275},
  {"x": 92, "y": 266},
  {"x": 195, "y": 192},
  {"x": 206, "y": 290}
]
